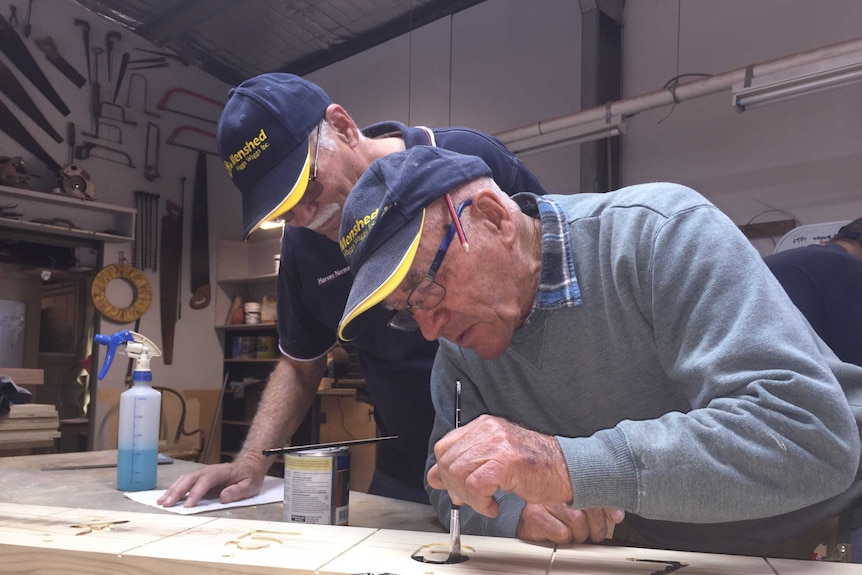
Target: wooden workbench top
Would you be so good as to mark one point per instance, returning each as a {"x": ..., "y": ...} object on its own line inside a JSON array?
[
  {"x": 53, "y": 520},
  {"x": 23, "y": 481}
]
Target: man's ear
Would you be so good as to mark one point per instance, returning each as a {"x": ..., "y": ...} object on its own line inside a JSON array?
[
  {"x": 490, "y": 212},
  {"x": 344, "y": 126}
]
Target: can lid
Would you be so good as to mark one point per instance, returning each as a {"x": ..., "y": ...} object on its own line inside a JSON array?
[{"x": 323, "y": 450}]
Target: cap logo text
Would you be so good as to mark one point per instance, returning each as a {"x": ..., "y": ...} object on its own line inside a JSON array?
[
  {"x": 251, "y": 151},
  {"x": 357, "y": 233}
]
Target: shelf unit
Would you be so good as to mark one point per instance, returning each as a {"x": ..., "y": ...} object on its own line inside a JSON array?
[
  {"x": 247, "y": 270},
  {"x": 44, "y": 213}
]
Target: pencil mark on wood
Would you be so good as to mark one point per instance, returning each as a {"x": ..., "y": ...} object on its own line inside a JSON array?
[
  {"x": 670, "y": 566},
  {"x": 259, "y": 539},
  {"x": 97, "y": 526}
]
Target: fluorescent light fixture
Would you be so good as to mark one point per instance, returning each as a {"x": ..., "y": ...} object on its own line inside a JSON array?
[
  {"x": 800, "y": 81},
  {"x": 577, "y": 134}
]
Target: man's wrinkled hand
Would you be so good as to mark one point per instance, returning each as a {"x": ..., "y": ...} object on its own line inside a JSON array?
[
  {"x": 490, "y": 453},
  {"x": 241, "y": 479},
  {"x": 561, "y": 524}
]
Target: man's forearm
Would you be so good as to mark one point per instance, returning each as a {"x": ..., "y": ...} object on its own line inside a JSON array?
[{"x": 286, "y": 399}]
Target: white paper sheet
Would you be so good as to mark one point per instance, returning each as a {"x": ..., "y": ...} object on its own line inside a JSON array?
[{"x": 271, "y": 492}]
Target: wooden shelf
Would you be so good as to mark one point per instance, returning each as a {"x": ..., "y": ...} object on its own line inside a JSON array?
[
  {"x": 250, "y": 280},
  {"x": 93, "y": 220},
  {"x": 246, "y": 326},
  {"x": 23, "y": 376}
]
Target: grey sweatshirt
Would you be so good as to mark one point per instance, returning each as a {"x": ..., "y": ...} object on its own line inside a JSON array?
[{"x": 685, "y": 389}]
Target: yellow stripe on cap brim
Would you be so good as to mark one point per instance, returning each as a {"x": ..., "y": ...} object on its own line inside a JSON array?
[
  {"x": 389, "y": 285},
  {"x": 292, "y": 198}
]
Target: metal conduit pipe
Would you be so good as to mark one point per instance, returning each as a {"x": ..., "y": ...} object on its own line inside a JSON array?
[{"x": 682, "y": 92}]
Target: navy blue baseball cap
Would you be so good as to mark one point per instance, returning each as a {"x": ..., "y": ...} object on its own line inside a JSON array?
[
  {"x": 851, "y": 231},
  {"x": 262, "y": 138},
  {"x": 383, "y": 217}
]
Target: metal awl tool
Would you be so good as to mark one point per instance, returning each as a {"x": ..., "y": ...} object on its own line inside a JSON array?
[{"x": 455, "y": 511}]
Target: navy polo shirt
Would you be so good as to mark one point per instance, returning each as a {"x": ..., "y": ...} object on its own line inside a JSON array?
[
  {"x": 314, "y": 282},
  {"x": 825, "y": 283}
]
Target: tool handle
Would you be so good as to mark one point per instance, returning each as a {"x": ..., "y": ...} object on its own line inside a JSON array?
[{"x": 325, "y": 445}]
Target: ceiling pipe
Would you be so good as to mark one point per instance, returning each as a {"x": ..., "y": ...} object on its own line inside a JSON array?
[{"x": 682, "y": 92}]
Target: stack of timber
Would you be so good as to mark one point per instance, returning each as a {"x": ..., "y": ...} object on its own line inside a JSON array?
[{"x": 28, "y": 426}]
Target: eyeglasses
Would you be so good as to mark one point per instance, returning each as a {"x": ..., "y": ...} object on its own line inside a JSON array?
[
  {"x": 313, "y": 176},
  {"x": 311, "y": 191},
  {"x": 428, "y": 293}
]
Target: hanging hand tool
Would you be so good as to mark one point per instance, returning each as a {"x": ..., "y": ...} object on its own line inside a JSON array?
[
  {"x": 141, "y": 79},
  {"x": 15, "y": 130},
  {"x": 124, "y": 62},
  {"x": 70, "y": 139},
  {"x": 89, "y": 150},
  {"x": 27, "y": 27},
  {"x": 49, "y": 48},
  {"x": 200, "y": 257},
  {"x": 199, "y": 100},
  {"x": 10, "y": 86},
  {"x": 151, "y": 153},
  {"x": 170, "y": 260},
  {"x": 14, "y": 48},
  {"x": 117, "y": 136},
  {"x": 78, "y": 183},
  {"x": 109, "y": 46},
  {"x": 181, "y": 59},
  {"x": 13, "y": 15},
  {"x": 85, "y": 26},
  {"x": 96, "y": 89},
  {"x": 204, "y": 138}
]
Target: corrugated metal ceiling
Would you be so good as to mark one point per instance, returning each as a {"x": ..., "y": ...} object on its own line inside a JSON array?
[{"x": 237, "y": 39}]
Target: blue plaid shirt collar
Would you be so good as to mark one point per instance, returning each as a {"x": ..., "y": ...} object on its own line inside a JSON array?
[{"x": 558, "y": 285}]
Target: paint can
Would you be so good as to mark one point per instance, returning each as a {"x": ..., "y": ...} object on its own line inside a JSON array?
[
  {"x": 265, "y": 347},
  {"x": 317, "y": 486}
]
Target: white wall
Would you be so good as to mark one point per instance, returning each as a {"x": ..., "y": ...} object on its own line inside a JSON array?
[
  {"x": 510, "y": 63},
  {"x": 197, "y": 353},
  {"x": 802, "y": 157},
  {"x": 514, "y": 63}
]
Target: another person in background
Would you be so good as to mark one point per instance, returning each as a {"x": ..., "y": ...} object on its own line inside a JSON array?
[
  {"x": 295, "y": 155},
  {"x": 825, "y": 283},
  {"x": 626, "y": 350}
]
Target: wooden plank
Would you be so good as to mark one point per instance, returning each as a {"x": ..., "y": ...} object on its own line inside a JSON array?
[
  {"x": 50, "y": 423},
  {"x": 9, "y": 437},
  {"x": 24, "y": 445},
  {"x": 36, "y": 539},
  {"x": 21, "y": 410},
  {"x": 23, "y": 376}
]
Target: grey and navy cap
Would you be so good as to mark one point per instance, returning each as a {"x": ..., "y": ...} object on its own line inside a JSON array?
[
  {"x": 851, "y": 231},
  {"x": 262, "y": 138},
  {"x": 383, "y": 218}
]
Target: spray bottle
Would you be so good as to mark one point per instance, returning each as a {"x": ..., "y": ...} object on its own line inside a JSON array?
[{"x": 140, "y": 410}]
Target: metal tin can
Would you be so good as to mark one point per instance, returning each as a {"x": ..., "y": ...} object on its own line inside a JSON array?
[
  {"x": 317, "y": 486},
  {"x": 265, "y": 347},
  {"x": 248, "y": 347}
]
